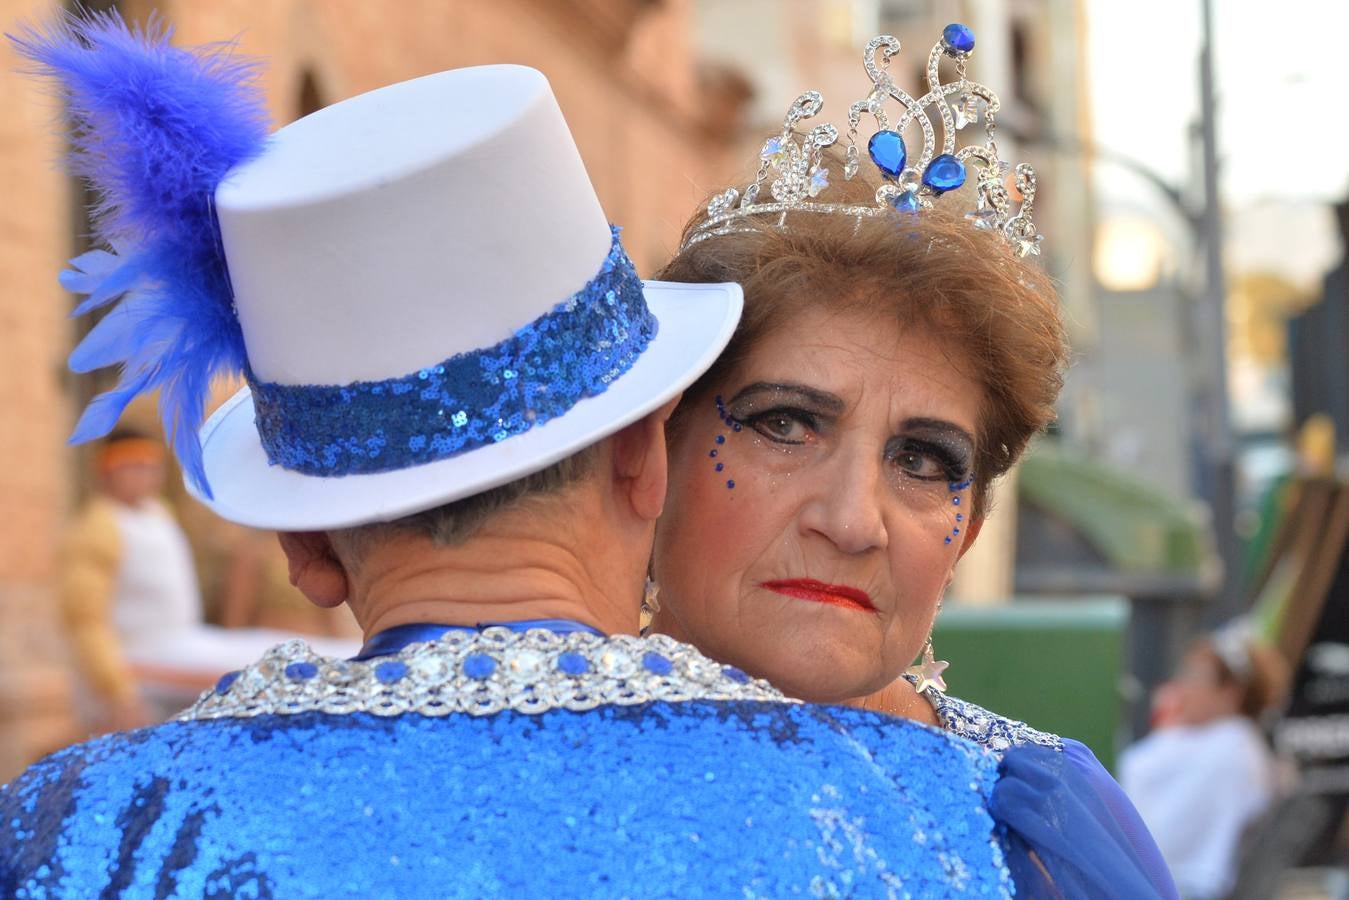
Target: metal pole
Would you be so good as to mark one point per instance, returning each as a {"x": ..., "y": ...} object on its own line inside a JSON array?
[{"x": 1216, "y": 480}]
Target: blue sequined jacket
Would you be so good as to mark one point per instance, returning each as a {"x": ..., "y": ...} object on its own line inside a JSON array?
[{"x": 534, "y": 764}]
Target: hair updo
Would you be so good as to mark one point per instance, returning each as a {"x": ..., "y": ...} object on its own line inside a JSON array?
[{"x": 999, "y": 314}]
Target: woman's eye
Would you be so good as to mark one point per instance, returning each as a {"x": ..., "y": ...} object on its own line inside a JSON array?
[
  {"x": 921, "y": 465},
  {"x": 781, "y": 426}
]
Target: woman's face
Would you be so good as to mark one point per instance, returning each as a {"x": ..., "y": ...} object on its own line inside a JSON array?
[
  {"x": 818, "y": 507},
  {"x": 1198, "y": 693}
]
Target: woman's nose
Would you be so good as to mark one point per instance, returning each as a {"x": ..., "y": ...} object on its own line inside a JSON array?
[{"x": 846, "y": 506}]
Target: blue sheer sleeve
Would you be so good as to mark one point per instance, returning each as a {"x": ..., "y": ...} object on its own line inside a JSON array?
[{"x": 1070, "y": 830}]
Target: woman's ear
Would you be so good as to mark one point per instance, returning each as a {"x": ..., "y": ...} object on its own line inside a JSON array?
[{"x": 315, "y": 568}]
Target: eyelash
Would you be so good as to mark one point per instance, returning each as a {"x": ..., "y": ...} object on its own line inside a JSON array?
[
  {"x": 801, "y": 416},
  {"x": 954, "y": 468}
]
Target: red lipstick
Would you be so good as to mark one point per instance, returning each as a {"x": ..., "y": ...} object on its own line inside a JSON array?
[{"x": 819, "y": 592}]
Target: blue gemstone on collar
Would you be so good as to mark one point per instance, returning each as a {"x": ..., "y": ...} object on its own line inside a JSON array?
[
  {"x": 907, "y": 202},
  {"x": 888, "y": 153},
  {"x": 301, "y": 671},
  {"x": 573, "y": 663},
  {"x": 944, "y": 173},
  {"x": 393, "y": 670},
  {"x": 657, "y": 664},
  {"x": 479, "y": 666},
  {"x": 225, "y": 681},
  {"x": 735, "y": 674},
  {"x": 957, "y": 38}
]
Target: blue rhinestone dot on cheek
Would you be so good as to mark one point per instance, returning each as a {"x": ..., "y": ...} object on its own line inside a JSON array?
[
  {"x": 730, "y": 484},
  {"x": 958, "y": 38},
  {"x": 944, "y": 173},
  {"x": 721, "y": 439},
  {"x": 888, "y": 152},
  {"x": 720, "y": 466}
]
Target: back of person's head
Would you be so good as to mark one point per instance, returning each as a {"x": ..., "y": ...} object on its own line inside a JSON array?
[
  {"x": 544, "y": 493},
  {"x": 931, "y": 270}
]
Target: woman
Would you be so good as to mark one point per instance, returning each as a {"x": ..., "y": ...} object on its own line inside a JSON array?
[
  {"x": 1205, "y": 774},
  {"x": 834, "y": 465}
]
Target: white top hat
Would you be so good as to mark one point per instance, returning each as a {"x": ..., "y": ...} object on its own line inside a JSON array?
[
  {"x": 418, "y": 284},
  {"x": 379, "y": 238}
]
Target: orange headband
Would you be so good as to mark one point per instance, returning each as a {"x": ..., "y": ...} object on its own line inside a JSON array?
[{"x": 142, "y": 451}]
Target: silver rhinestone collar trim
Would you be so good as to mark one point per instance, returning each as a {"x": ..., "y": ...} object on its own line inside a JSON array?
[
  {"x": 479, "y": 674},
  {"x": 984, "y": 727}
]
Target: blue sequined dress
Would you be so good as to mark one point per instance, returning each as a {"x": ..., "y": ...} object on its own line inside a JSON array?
[{"x": 511, "y": 763}]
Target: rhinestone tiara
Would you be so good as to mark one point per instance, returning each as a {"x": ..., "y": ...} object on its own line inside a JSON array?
[{"x": 796, "y": 164}]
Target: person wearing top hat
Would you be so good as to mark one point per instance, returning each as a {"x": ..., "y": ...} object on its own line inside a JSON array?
[{"x": 456, "y": 386}]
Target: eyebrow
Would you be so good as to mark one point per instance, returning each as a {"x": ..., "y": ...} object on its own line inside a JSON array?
[
  {"x": 827, "y": 402},
  {"x": 832, "y": 403},
  {"x": 927, "y": 424}
]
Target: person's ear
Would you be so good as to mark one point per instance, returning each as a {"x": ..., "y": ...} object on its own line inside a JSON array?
[
  {"x": 315, "y": 568},
  {"x": 971, "y": 534},
  {"x": 641, "y": 465}
]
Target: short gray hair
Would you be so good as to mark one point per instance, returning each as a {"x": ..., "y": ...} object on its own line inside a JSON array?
[{"x": 457, "y": 521}]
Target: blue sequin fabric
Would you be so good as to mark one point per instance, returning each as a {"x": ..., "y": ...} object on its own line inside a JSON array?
[
  {"x": 984, "y": 727},
  {"x": 653, "y": 798},
  {"x": 467, "y": 401}
]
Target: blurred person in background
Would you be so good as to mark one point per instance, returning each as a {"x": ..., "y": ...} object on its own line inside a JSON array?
[
  {"x": 131, "y": 599},
  {"x": 1205, "y": 773},
  {"x": 127, "y": 577},
  {"x": 834, "y": 465},
  {"x": 257, "y": 593}
]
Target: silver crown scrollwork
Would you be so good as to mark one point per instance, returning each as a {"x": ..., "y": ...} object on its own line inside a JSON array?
[{"x": 793, "y": 166}]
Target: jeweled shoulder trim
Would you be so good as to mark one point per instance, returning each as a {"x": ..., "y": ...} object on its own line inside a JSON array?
[
  {"x": 480, "y": 674},
  {"x": 985, "y": 727}
]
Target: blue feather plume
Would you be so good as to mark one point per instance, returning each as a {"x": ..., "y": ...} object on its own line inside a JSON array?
[{"x": 153, "y": 129}]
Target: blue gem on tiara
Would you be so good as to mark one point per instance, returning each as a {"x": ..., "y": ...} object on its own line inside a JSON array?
[
  {"x": 792, "y": 163},
  {"x": 957, "y": 38},
  {"x": 907, "y": 202},
  {"x": 944, "y": 173},
  {"x": 887, "y": 152}
]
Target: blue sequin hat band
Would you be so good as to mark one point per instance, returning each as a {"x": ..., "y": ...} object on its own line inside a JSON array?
[{"x": 470, "y": 400}]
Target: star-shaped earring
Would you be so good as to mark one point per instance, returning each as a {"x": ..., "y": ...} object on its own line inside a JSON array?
[{"x": 928, "y": 671}]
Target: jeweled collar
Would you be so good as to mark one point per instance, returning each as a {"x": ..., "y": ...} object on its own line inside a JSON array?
[
  {"x": 391, "y": 640},
  {"x": 985, "y": 727},
  {"x": 480, "y": 673}
]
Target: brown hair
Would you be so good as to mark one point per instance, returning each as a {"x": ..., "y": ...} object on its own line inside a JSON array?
[
  {"x": 931, "y": 269},
  {"x": 1264, "y": 685}
]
